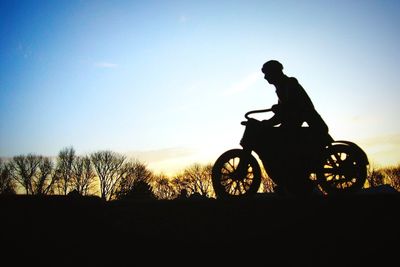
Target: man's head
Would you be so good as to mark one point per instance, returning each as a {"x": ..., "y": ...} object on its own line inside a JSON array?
[{"x": 272, "y": 70}]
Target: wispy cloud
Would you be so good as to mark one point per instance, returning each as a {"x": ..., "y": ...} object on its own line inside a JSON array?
[
  {"x": 24, "y": 50},
  {"x": 393, "y": 138},
  {"x": 106, "y": 65},
  {"x": 168, "y": 161},
  {"x": 383, "y": 150},
  {"x": 183, "y": 19},
  {"x": 161, "y": 154},
  {"x": 243, "y": 84}
]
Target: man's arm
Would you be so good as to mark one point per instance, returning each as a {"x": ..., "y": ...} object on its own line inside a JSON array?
[{"x": 276, "y": 119}]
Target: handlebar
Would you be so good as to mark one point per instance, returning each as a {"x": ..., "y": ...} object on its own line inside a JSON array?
[
  {"x": 256, "y": 111},
  {"x": 253, "y": 112}
]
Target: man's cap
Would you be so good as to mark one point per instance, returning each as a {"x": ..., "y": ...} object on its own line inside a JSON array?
[{"x": 272, "y": 66}]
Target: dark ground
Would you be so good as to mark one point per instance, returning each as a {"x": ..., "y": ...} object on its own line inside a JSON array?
[{"x": 264, "y": 231}]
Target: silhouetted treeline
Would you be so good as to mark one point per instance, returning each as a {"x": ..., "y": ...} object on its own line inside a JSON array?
[
  {"x": 104, "y": 173},
  {"x": 112, "y": 176},
  {"x": 384, "y": 176}
]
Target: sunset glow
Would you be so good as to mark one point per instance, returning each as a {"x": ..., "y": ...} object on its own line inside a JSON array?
[{"x": 168, "y": 82}]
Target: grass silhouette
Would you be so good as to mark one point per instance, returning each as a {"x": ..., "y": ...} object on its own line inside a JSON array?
[{"x": 345, "y": 230}]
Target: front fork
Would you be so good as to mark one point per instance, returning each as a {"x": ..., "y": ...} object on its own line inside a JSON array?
[{"x": 241, "y": 170}]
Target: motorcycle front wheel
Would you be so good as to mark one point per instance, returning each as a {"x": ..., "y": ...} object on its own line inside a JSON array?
[{"x": 236, "y": 174}]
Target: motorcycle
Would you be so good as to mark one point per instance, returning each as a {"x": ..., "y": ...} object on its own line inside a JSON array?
[{"x": 299, "y": 162}]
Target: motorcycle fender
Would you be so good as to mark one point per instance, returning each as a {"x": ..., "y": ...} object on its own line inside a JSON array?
[{"x": 356, "y": 148}]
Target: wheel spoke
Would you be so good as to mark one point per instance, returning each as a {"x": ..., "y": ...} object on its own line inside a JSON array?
[
  {"x": 227, "y": 171},
  {"x": 246, "y": 184},
  {"x": 342, "y": 170},
  {"x": 226, "y": 180},
  {"x": 232, "y": 166},
  {"x": 235, "y": 188},
  {"x": 231, "y": 188},
  {"x": 238, "y": 174},
  {"x": 332, "y": 160},
  {"x": 241, "y": 188},
  {"x": 250, "y": 173}
]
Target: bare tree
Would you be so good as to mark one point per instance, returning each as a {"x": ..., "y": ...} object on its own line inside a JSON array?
[
  {"x": 393, "y": 175},
  {"x": 7, "y": 185},
  {"x": 267, "y": 184},
  {"x": 179, "y": 182},
  {"x": 34, "y": 173},
  {"x": 44, "y": 177},
  {"x": 107, "y": 165},
  {"x": 64, "y": 169},
  {"x": 198, "y": 179},
  {"x": 23, "y": 170},
  {"x": 375, "y": 177},
  {"x": 131, "y": 173},
  {"x": 83, "y": 175},
  {"x": 163, "y": 188}
]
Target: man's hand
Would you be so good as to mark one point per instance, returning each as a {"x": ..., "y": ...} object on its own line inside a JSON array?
[
  {"x": 253, "y": 121},
  {"x": 276, "y": 108},
  {"x": 267, "y": 123},
  {"x": 250, "y": 121}
]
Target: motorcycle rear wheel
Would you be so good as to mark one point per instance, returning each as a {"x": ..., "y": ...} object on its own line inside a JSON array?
[{"x": 342, "y": 170}]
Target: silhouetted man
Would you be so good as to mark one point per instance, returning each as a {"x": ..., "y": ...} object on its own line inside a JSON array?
[{"x": 294, "y": 105}]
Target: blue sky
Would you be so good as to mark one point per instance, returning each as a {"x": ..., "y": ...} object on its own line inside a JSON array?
[{"x": 169, "y": 81}]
